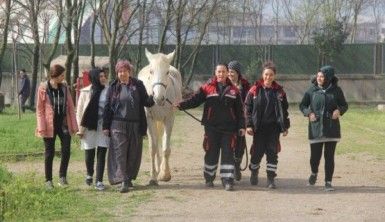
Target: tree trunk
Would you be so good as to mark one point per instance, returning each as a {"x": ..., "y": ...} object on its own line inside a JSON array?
[
  {"x": 95, "y": 19},
  {"x": 142, "y": 25},
  {"x": 165, "y": 27},
  {"x": 5, "y": 36}
]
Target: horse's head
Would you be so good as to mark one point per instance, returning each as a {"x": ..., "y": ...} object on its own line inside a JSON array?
[{"x": 159, "y": 70}]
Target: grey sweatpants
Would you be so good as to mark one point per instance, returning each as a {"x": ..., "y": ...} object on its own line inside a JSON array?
[{"x": 125, "y": 153}]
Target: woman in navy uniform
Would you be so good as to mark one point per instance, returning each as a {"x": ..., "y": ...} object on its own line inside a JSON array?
[{"x": 223, "y": 120}]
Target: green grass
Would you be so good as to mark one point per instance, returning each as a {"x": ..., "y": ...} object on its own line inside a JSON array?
[
  {"x": 26, "y": 199},
  {"x": 363, "y": 131},
  {"x": 18, "y": 135}
]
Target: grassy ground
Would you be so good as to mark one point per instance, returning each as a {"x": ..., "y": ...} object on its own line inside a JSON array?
[{"x": 363, "y": 130}]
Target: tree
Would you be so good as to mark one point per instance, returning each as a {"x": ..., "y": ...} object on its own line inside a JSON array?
[
  {"x": 329, "y": 40},
  {"x": 115, "y": 18},
  {"x": 57, "y": 5},
  {"x": 30, "y": 12},
  {"x": 302, "y": 16},
  {"x": 4, "y": 24},
  {"x": 357, "y": 7},
  {"x": 79, "y": 7}
]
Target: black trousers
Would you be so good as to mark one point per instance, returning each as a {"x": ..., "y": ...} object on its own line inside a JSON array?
[
  {"x": 240, "y": 149},
  {"x": 265, "y": 141},
  {"x": 49, "y": 143},
  {"x": 101, "y": 162},
  {"x": 316, "y": 154},
  {"x": 22, "y": 100},
  {"x": 215, "y": 142}
]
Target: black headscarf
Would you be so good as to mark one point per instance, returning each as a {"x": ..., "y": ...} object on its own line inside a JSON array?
[{"x": 90, "y": 116}]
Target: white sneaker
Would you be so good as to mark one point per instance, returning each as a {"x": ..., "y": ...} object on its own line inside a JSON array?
[{"x": 99, "y": 185}]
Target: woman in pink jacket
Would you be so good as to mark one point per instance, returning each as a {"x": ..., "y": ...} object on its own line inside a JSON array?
[{"x": 55, "y": 117}]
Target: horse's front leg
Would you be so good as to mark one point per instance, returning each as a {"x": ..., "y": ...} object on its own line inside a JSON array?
[
  {"x": 165, "y": 174},
  {"x": 154, "y": 152}
]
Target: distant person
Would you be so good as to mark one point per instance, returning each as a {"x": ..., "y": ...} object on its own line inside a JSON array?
[
  {"x": 55, "y": 115},
  {"x": 267, "y": 116},
  {"x": 323, "y": 103},
  {"x": 24, "y": 90},
  {"x": 223, "y": 120},
  {"x": 235, "y": 75},
  {"x": 89, "y": 115},
  {"x": 124, "y": 120}
]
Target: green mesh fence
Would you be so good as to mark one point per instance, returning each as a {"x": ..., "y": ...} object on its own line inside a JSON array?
[{"x": 289, "y": 59}]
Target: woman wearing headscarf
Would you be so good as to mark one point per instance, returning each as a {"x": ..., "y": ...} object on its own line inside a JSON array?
[
  {"x": 323, "y": 103},
  {"x": 236, "y": 77},
  {"x": 125, "y": 121},
  {"x": 89, "y": 113}
]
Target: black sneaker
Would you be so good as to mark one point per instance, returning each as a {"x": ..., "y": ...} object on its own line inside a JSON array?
[
  {"x": 237, "y": 171},
  {"x": 89, "y": 180},
  {"x": 271, "y": 183},
  {"x": 130, "y": 185},
  {"x": 63, "y": 182},
  {"x": 328, "y": 186},
  {"x": 254, "y": 177},
  {"x": 124, "y": 187},
  {"x": 209, "y": 184},
  {"x": 312, "y": 179}
]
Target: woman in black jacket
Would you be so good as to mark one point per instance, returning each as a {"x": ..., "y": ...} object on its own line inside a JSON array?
[
  {"x": 243, "y": 85},
  {"x": 266, "y": 118},
  {"x": 124, "y": 120},
  {"x": 323, "y": 103},
  {"x": 223, "y": 120}
]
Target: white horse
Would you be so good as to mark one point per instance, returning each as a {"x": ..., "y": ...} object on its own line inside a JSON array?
[{"x": 164, "y": 82}]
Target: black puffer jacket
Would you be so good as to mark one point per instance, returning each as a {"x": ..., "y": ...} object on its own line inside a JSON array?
[
  {"x": 323, "y": 102},
  {"x": 254, "y": 110}
]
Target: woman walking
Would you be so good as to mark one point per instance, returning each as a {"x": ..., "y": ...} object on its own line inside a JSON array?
[
  {"x": 236, "y": 77},
  {"x": 89, "y": 113},
  {"x": 266, "y": 118},
  {"x": 55, "y": 115},
  {"x": 223, "y": 120},
  {"x": 125, "y": 121},
  {"x": 323, "y": 103}
]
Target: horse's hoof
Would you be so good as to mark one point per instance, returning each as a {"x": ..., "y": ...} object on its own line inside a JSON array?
[
  {"x": 165, "y": 178},
  {"x": 153, "y": 183}
]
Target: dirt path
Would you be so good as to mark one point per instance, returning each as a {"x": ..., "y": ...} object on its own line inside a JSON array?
[{"x": 359, "y": 181}]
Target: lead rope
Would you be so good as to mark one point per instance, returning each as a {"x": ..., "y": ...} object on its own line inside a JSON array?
[{"x": 195, "y": 118}]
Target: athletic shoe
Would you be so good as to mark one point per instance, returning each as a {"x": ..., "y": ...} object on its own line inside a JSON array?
[
  {"x": 99, "y": 186},
  {"x": 209, "y": 184},
  {"x": 229, "y": 186},
  {"x": 49, "y": 184},
  {"x": 63, "y": 182},
  {"x": 271, "y": 184},
  {"x": 254, "y": 177},
  {"x": 312, "y": 179},
  {"x": 89, "y": 180},
  {"x": 130, "y": 185},
  {"x": 328, "y": 186},
  {"x": 124, "y": 187}
]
